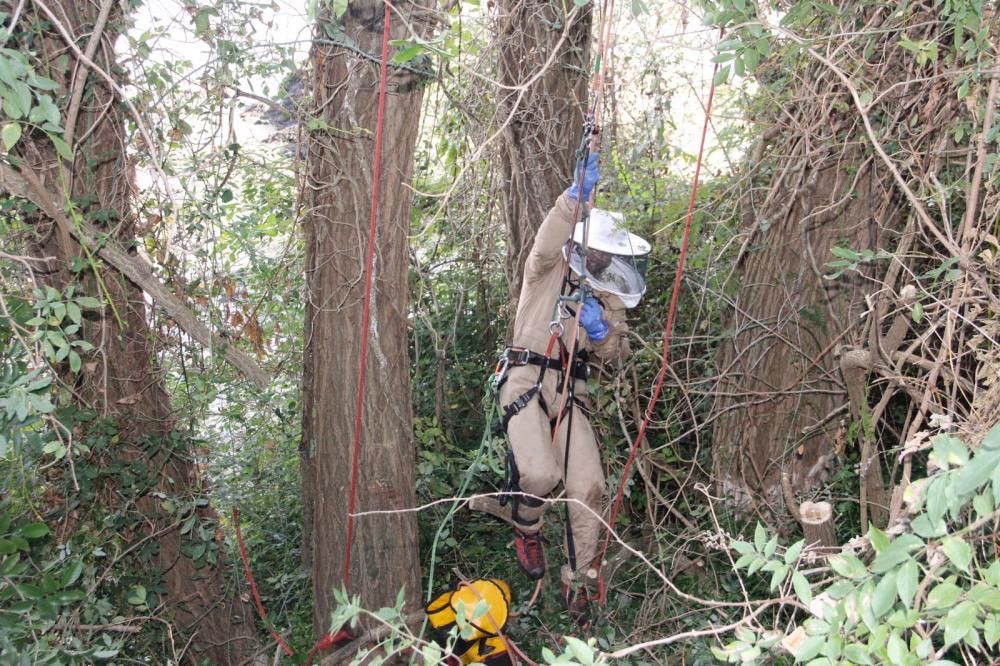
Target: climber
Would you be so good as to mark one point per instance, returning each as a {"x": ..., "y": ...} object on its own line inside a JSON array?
[{"x": 606, "y": 276}]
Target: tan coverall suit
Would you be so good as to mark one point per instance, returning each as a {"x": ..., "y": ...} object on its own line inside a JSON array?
[{"x": 538, "y": 454}]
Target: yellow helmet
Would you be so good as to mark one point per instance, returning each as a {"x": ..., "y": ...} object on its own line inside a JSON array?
[
  {"x": 483, "y": 645},
  {"x": 495, "y": 593}
]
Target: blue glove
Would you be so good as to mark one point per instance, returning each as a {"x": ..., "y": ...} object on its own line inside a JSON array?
[
  {"x": 590, "y": 175},
  {"x": 592, "y": 319}
]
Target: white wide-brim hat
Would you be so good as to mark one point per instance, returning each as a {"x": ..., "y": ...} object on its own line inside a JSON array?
[{"x": 607, "y": 233}]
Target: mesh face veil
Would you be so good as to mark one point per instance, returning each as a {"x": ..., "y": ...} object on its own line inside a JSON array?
[{"x": 616, "y": 261}]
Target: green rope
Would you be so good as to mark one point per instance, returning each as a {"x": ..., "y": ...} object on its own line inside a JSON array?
[{"x": 492, "y": 411}]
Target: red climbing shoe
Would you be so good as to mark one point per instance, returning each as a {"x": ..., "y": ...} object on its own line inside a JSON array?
[
  {"x": 577, "y": 603},
  {"x": 530, "y": 554}
]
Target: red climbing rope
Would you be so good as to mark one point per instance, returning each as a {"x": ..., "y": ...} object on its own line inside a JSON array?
[
  {"x": 366, "y": 314},
  {"x": 666, "y": 335},
  {"x": 253, "y": 583}
]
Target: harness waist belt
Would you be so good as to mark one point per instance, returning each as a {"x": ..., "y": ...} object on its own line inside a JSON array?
[{"x": 520, "y": 356}]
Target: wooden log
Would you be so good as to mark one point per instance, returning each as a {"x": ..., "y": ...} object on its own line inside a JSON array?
[{"x": 817, "y": 524}]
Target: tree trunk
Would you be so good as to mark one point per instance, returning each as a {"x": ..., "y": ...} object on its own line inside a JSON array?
[
  {"x": 121, "y": 380},
  {"x": 817, "y": 525},
  {"x": 809, "y": 364},
  {"x": 780, "y": 398},
  {"x": 384, "y": 549},
  {"x": 548, "y": 51}
]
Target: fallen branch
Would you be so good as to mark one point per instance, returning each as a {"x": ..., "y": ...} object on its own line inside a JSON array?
[
  {"x": 371, "y": 636},
  {"x": 26, "y": 184}
]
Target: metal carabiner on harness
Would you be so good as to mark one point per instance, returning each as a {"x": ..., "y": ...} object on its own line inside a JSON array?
[{"x": 501, "y": 370}]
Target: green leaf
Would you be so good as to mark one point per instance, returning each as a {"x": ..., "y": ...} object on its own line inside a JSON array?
[
  {"x": 995, "y": 481},
  {"x": 34, "y": 530},
  {"x": 986, "y": 596},
  {"x": 958, "y": 622},
  {"x": 845, "y": 253},
  {"x": 61, "y": 146},
  {"x": 943, "y": 595},
  {"x": 937, "y": 498},
  {"x": 923, "y": 527},
  {"x": 721, "y": 76},
  {"x": 409, "y": 53},
  {"x": 991, "y": 630},
  {"x": 958, "y": 551},
  {"x": 202, "y": 28},
  {"x": 759, "y": 537},
  {"x": 992, "y": 440},
  {"x": 743, "y": 547},
  {"x": 770, "y": 547},
  {"x": 847, "y": 566},
  {"x": 73, "y": 311},
  {"x": 793, "y": 552},
  {"x": 638, "y": 7},
  {"x": 857, "y": 653},
  {"x": 896, "y": 649},
  {"x": 907, "y": 581},
  {"x": 903, "y": 619},
  {"x": 810, "y": 647},
  {"x": 89, "y": 302},
  {"x": 949, "y": 452},
  {"x": 55, "y": 449},
  {"x": 29, "y": 590},
  {"x": 977, "y": 471},
  {"x": 74, "y": 362},
  {"x": 71, "y": 574},
  {"x": 137, "y": 595},
  {"x": 583, "y": 652},
  {"x": 778, "y": 577},
  {"x": 992, "y": 574},
  {"x": 879, "y": 539},
  {"x": 896, "y": 553},
  {"x": 20, "y": 98},
  {"x": 802, "y": 588},
  {"x": 983, "y": 504},
  {"x": 884, "y": 595},
  {"x": 11, "y": 134},
  {"x": 46, "y": 111},
  {"x": 42, "y": 83}
]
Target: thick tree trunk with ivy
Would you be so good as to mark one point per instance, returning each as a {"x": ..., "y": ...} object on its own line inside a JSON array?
[
  {"x": 544, "y": 68},
  {"x": 780, "y": 393},
  {"x": 139, "y": 473},
  {"x": 384, "y": 549},
  {"x": 829, "y": 359}
]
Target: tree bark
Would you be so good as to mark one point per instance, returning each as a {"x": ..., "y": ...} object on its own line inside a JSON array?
[
  {"x": 384, "y": 549},
  {"x": 121, "y": 380},
  {"x": 543, "y": 73}
]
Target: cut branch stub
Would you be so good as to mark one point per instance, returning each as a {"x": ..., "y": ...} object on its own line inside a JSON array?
[{"x": 817, "y": 524}]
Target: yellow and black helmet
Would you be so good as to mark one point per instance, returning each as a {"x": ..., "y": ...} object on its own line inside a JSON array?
[{"x": 481, "y": 643}]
